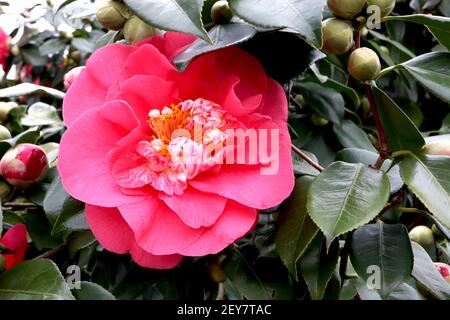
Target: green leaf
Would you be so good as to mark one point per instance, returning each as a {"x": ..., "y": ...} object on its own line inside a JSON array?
[
  {"x": 303, "y": 16},
  {"x": 222, "y": 36},
  {"x": 63, "y": 212},
  {"x": 52, "y": 46},
  {"x": 366, "y": 157},
  {"x": 388, "y": 248},
  {"x": 174, "y": 15},
  {"x": 29, "y": 136},
  {"x": 427, "y": 276},
  {"x": 401, "y": 133},
  {"x": 84, "y": 45},
  {"x": 92, "y": 291},
  {"x": 345, "y": 196},
  {"x": 301, "y": 167},
  {"x": 34, "y": 280},
  {"x": 29, "y": 88},
  {"x": 318, "y": 265},
  {"x": 295, "y": 228},
  {"x": 326, "y": 102},
  {"x": 438, "y": 26},
  {"x": 41, "y": 114},
  {"x": 352, "y": 136},
  {"x": 428, "y": 178}
]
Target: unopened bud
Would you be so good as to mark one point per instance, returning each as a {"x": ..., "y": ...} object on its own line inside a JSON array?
[
  {"x": 71, "y": 76},
  {"x": 422, "y": 235},
  {"x": 386, "y": 6},
  {"x": 221, "y": 12},
  {"x": 319, "y": 121},
  {"x": 364, "y": 64},
  {"x": 24, "y": 165},
  {"x": 444, "y": 270},
  {"x": 5, "y": 108},
  {"x": 337, "y": 36},
  {"x": 136, "y": 30},
  {"x": 112, "y": 14},
  {"x": 347, "y": 9},
  {"x": 4, "y": 133},
  {"x": 438, "y": 148}
]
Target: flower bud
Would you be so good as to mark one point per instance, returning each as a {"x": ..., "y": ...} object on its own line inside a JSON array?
[
  {"x": 318, "y": 121},
  {"x": 386, "y": 6},
  {"x": 422, "y": 235},
  {"x": 221, "y": 12},
  {"x": 2, "y": 263},
  {"x": 438, "y": 148},
  {"x": 5, "y": 108},
  {"x": 365, "y": 104},
  {"x": 300, "y": 100},
  {"x": 346, "y": 9},
  {"x": 136, "y": 30},
  {"x": 444, "y": 270},
  {"x": 4, "y": 133},
  {"x": 24, "y": 165},
  {"x": 337, "y": 36},
  {"x": 71, "y": 76},
  {"x": 112, "y": 15},
  {"x": 364, "y": 64}
]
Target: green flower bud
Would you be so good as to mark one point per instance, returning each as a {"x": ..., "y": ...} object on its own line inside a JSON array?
[
  {"x": 347, "y": 9},
  {"x": 5, "y": 108},
  {"x": 318, "y": 121},
  {"x": 365, "y": 104},
  {"x": 2, "y": 263},
  {"x": 422, "y": 235},
  {"x": 364, "y": 64},
  {"x": 4, "y": 133},
  {"x": 386, "y": 6},
  {"x": 384, "y": 49},
  {"x": 136, "y": 30},
  {"x": 112, "y": 15},
  {"x": 221, "y": 12},
  {"x": 337, "y": 36},
  {"x": 300, "y": 100}
]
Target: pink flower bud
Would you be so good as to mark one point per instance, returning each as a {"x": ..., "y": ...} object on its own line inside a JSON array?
[
  {"x": 24, "y": 165},
  {"x": 70, "y": 76},
  {"x": 438, "y": 148},
  {"x": 444, "y": 269}
]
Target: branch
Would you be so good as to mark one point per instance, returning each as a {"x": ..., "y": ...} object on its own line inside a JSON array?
[{"x": 305, "y": 157}]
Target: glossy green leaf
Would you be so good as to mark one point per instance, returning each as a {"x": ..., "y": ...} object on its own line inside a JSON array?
[
  {"x": 427, "y": 276},
  {"x": 295, "y": 227},
  {"x": 345, "y": 196},
  {"x": 369, "y": 158},
  {"x": 303, "y": 16},
  {"x": 326, "y": 102},
  {"x": 222, "y": 36},
  {"x": 63, "y": 212},
  {"x": 301, "y": 167},
  {"x": 92, "y": 291},
  {"x": 29, "y": 88},
  {"x": 401, "y": 133},
  {"x": 318, "y": 265},
  {"x": 34, "y": 280},
  {"x": 52, "y": 47},
  {"x": 174, "y": 15},
  {"x": 428, "y": 178},
  {"x": 352, "y": 136},
  {"x": 388, "y": 248},
  {"x": 439, "y": 26},
  {"x": 41, "y": 114}
]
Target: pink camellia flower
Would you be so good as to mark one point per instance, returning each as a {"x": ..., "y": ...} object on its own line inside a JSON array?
[
  {"x": 4, "y": 48},
  {"x": 15, "y": 240},
  {"x": 152, "y": 185},
  {"x": 444, "y": 270},
  {"x": 70, "y": 76}
]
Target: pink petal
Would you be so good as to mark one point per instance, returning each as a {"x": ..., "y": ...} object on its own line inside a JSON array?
[
  {"x": 234, "y": 70},
  {"x": 171, "y": 43},
  {"x": 196, "y": 209},
  {"x": 147, "y": 60},
  {"x": 109, "y": 228},
  {"x": 148, "y": 260},
  {"x": 275, "y": 102},
  {"x": 90, "y": 88},
  {"x": 82, "y": 161},
  {"x": 157, "y": 228},
  {"x": 247, "y": 185},
  {"x": 236, "y": 221}
]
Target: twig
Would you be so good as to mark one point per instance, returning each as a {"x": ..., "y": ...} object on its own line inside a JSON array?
[
  {"x": 396, "y": 201},
  {"x": 384, "y": 149},
  {"x": 305, "y": 157},
  {"x": 51, "y": 252}
]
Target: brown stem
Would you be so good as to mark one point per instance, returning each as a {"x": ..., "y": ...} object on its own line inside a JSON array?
[
  {"x": 305, "y": 157},
  {"x": 51, "y": 252},
  {"x": 358, "y": 38},
  {"x": 384, "y": 149},
  {"x": 395, "y": 201}
]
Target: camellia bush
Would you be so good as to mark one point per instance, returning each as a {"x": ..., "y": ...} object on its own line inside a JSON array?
[{"x": 225, "y": 150}]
